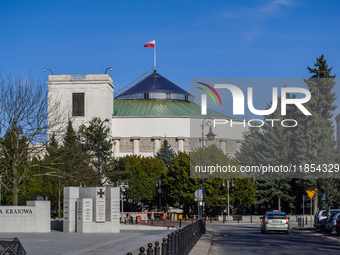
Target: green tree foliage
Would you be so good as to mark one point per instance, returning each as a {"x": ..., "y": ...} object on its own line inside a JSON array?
[
  {"x": 72, "y": 164},
  {"x": 23, "y": 125},
  {"x": 214, "y": 188},
  {"x": 315, "y": 141},
  {"x": 165, "y": 153},
  {"x": 89, "y": 136},
  {"x": 179, "y": 188},
  {"x": 75, "y": 167},
  {"x": 312, "y": 141},
  {"x": 141, "y": 173}
]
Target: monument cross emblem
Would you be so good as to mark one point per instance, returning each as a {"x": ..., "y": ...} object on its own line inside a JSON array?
[{"x": 100, "y": 193}]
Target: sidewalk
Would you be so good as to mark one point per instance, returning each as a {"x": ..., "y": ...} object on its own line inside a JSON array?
[
  {"x": 202, "y": 247},
  {"x": 57, "y": 243}
]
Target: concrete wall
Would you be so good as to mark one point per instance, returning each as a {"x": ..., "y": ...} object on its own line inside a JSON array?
[{"x": 33, "y": 218}]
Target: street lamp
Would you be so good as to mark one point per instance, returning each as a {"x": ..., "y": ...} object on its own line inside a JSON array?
[
  {"x": 159, "y": 191},
  {"x": 100, "y": 128},
  {"x": 228, "y": 185},
  {"x": 46, "y": 69},
  {"x": 109, "y": 68},
  {"x": 123, "y": 186},
  {"x": 210, "y": 136},
  {"x": 0, "y": 187}
]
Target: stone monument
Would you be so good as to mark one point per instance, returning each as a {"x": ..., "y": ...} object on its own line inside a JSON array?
[{"x": 91, "y": 210}]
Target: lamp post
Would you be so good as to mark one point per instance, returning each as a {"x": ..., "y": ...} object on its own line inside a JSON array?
[
  {"x": 99, "y": 132},
  {"x": 123, "y": 186},
  {"x": 228, "y": 186},
  {"x": 0, "y": 187},
  {"x": 159, "y": 191},
  {"x": 109, "y": 68},
  {"x": 210, "y": 136}
]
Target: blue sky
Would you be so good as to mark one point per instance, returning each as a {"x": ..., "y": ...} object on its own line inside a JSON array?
[{"x": 218, "y": 38}]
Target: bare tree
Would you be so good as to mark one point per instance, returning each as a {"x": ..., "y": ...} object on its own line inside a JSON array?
[{"x": 24, "y": 114}]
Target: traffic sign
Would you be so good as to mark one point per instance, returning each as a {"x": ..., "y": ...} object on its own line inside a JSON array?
[
  {"x": 223, "y": 198},
  {"x": 323, "y": 197},
  {"x": 199, "y": 195},
  {"x": 311, "y": 193},
  {"x": 159, "y": 190}
]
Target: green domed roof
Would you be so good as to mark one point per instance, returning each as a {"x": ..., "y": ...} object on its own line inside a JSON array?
[{"x": 161, "y": 108}]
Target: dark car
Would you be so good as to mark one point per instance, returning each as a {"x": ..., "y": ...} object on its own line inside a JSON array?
[
  {"x": 332, "y": 222},
  {"x": 321, "y": 218}
]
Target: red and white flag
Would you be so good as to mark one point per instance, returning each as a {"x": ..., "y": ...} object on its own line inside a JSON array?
[{"x": 150, "y": 44}]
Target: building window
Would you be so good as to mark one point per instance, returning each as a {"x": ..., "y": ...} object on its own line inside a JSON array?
[
  {"x": 146, "y": 95},
  {"x": 78, "y": 104}
]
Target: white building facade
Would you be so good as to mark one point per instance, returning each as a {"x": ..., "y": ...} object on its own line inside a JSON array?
[{"x": 142, "y": 116}]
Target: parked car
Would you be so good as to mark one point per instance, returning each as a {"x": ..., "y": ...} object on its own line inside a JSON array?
[
  {"x": 320, "y": 218},
  {"x": 275, "y": 221},
  {"x": 336, "y": 227},
  {"x": 332, "y": 220}
]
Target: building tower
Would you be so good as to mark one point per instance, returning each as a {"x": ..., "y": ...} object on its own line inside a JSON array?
[{"x": 79, "y": 98}]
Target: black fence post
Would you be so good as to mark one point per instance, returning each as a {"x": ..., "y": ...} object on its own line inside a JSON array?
[
  {"x": 180, "y": 223},
  {"x": 136, "y": 220},
  {"x": 173, "y": 243},
  {"x": 238, "y": 219},
  {"x": 169, "y": 246},
  {"x": 149, "y": 250},
  {"x": 179, "y": 242},
  {"x": 142, "y": 250},
  {"x": 164, "y": 247},
  {"x": 157, "y": 248},
  {"x": 176, "y": 242},
  {"x": 224, "y": 218},
  {"x": 251, "y": 218},
  {"x": 180, "y": 245},
  {"x": 306, "y": 220}
]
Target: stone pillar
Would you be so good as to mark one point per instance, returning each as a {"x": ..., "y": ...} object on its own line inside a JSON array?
[
  {"x": 116, "y": 146},
  {"x": 135, "y": 145},
  {"x": 157, "y": 143},
  {"x": 71, "y": 195},
  {"x": 113, "y": 208},
  {"x": 180, "y": 143},
  {"x": 223, "y": 148}
]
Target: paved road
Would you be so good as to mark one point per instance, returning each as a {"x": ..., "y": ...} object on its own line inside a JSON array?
[{"x": 237, "y": 240}]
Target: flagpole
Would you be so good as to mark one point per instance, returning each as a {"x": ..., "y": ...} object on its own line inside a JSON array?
[{"x": 154, "y": 57}]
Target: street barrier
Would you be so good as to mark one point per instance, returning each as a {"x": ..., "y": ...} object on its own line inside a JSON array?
[
  {"x": 11, "y": 246},
  {"x": 179, "y": 242}
]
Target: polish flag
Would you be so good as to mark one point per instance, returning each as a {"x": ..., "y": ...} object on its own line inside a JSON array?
[{"x": 150, "y": 44}]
